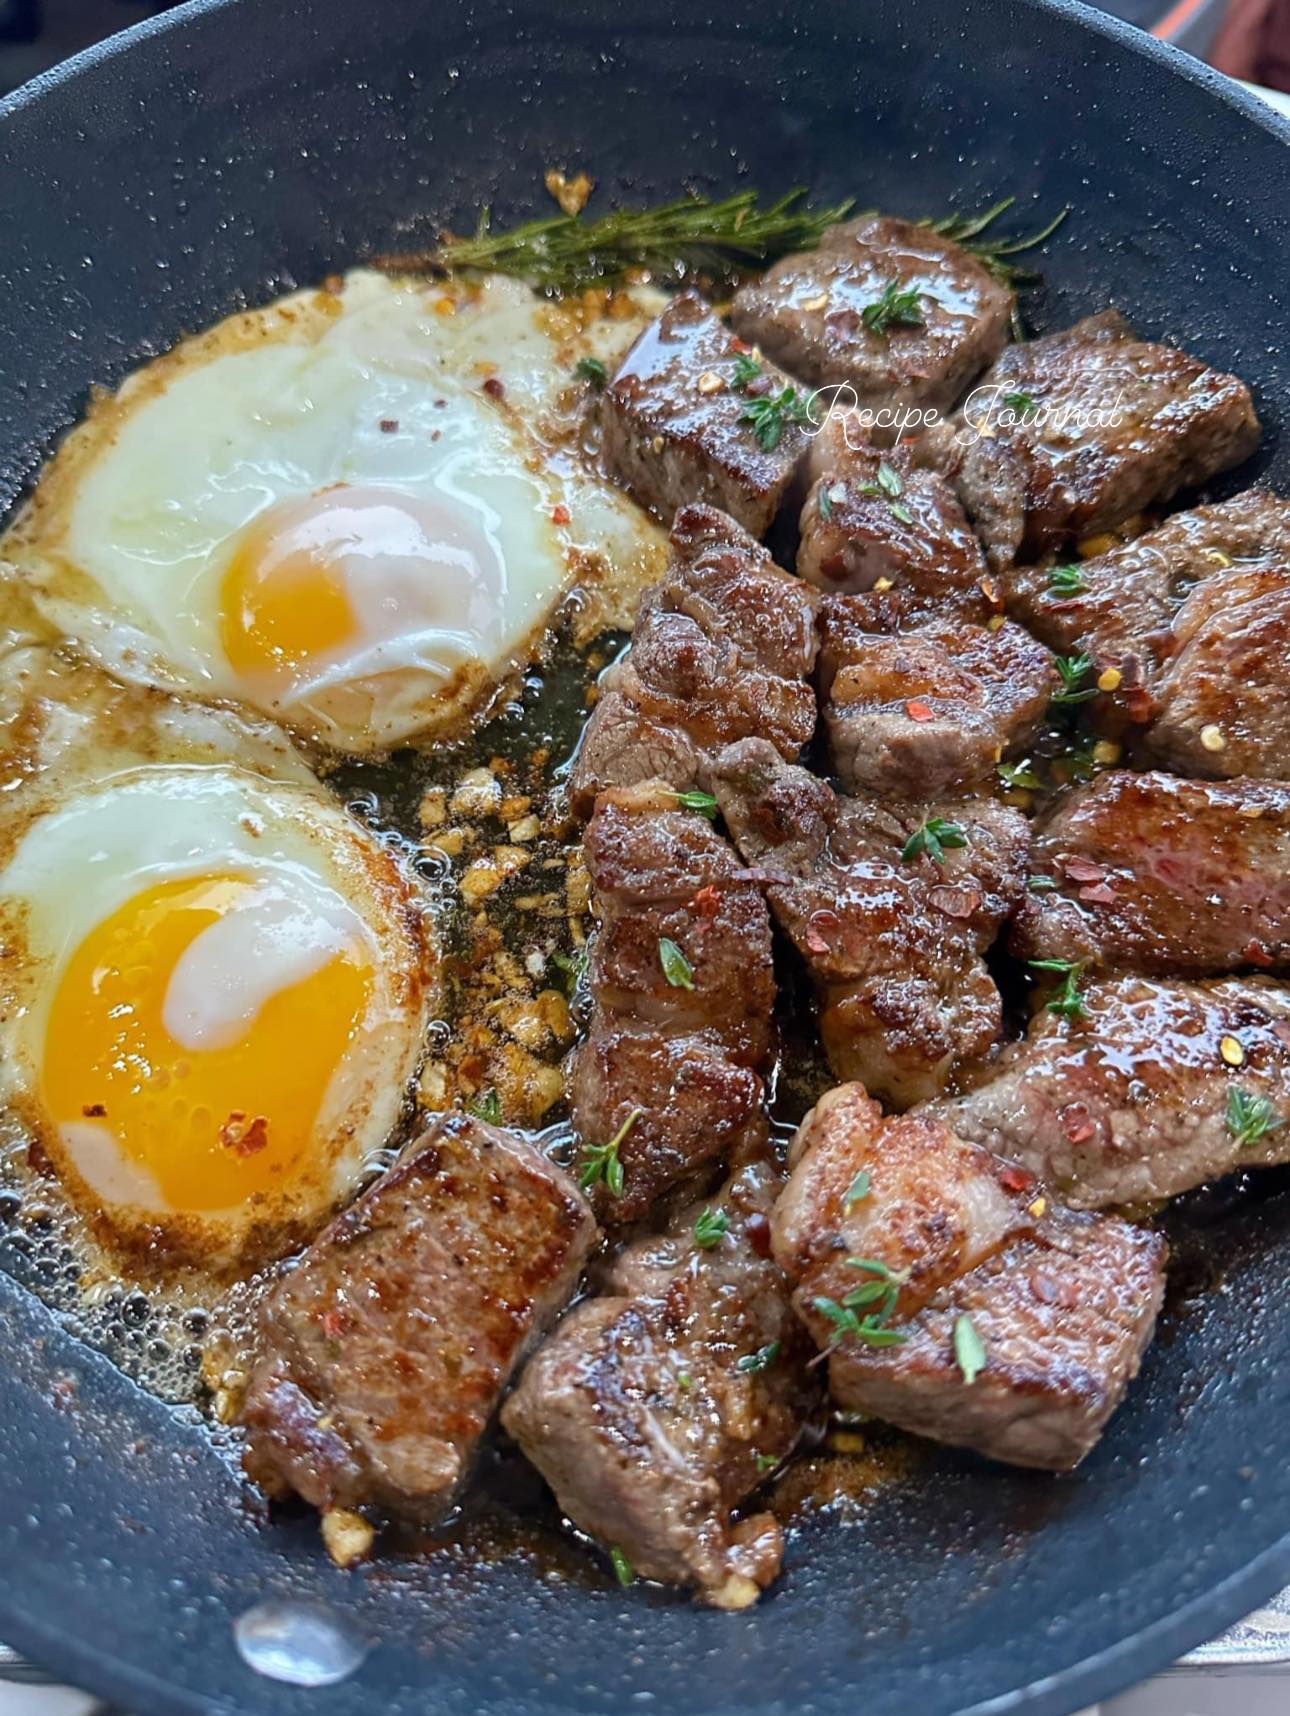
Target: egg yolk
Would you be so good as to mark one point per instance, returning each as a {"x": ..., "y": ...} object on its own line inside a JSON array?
[
  {"x": 207, "y": 1125},
  {"x": 327, "y": 576}
]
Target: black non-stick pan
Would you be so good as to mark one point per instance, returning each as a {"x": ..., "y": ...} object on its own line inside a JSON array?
[{"x": 217, "y": 156}]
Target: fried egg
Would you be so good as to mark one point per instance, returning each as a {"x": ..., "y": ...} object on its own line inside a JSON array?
[
  {"x": 355, "y": 510},
  {"x": 218, "y": 991}
]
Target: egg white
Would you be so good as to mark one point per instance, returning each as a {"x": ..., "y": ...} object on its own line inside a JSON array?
[{"x": 458, "y": 399}]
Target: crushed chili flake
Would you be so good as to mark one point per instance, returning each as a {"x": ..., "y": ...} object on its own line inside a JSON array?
[
  {"x": 816, "y": 925},
  {"x": 954, "y": 902},
  {"x": 1257, "y": 954},
  {"x": 738, "y": 345},
  {"x": 1084, "y": 870},
  {"x": 389, "y": 425},
  {"x": 1077, "y": 1123},
  {"x": 241, "y": 1137},
  {"x": 917, "y": 710},
  {"x": 1099, "y": 894},
  {"x": 494, "y": 388},
  {"x": 334, "y": 1323},
  {"x": 1014, "y": 1179},
  {"x": 94, "y": 1111},
  {"x": 707, "y": 901},
  {"x": 560, "y": 514}
]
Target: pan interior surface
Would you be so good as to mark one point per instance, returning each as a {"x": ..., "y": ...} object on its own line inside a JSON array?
[{"x": 235, "y": 149}]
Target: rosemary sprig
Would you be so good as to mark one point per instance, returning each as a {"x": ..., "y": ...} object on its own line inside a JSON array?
[
  {"x": 563, "y": 252},
  {"x": 1073, "y": 670},
  {"x": 710, "y": 1228},
  {"x": 1066, "y": 581},
  {"x": 971, "y": 231}
]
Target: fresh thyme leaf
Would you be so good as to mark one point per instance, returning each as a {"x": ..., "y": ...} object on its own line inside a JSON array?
[
  {"x": 572, "y": 965},
  {"x": 770, "y": 414},
  {"x": 932, "y": 838},
  {"x": 488, "y": 1107},
  {"x": 711, "y": 1226},
  {"x": 751, "y": 1363},
  {"x": 685, "y": 1380},
  {"x": 1021, "y": 403},
  {"x": 1066, "y": 581},
  {"x": 676, "y": 967},
  {"x": 703, "y": 802},
  {"x": 591, "y": 369},
  {"x": 747, "y": 370},
  {"x": 767, "y": 1462},
  {"x": 1067, "y": 1002},
  {"x": 563, "y": 252},
  {"x": 602, "y": 1161},
  {"x": 969, "y": 1349},
  {"x": 1019, "y": 776},
  {"x": 889, "y": 479},
  {"x": 897, "y": 308},
  {"x": 1073, "y": 670},
  {"x": 1040, "y": 884},
  {"x": 826, "y": 502},
  {"x": 859, "y": 1189},
  {"x": 1250, "y": 1117},
  {"x": 624, "y": 1572},
  {"x": 875, "y": 1266},
  {"x": 901, "y": 511}
]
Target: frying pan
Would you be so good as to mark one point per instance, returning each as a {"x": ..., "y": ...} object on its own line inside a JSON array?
[{"x": 216, "y": 156}]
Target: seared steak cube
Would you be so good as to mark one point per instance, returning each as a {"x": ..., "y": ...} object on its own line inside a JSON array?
[
  {"x": 875, "y": 520},
  {"x": 683, "y": 987},
  {"x": 1119, "y": 606},
  {"x": 1058, "y": 1307},
  {"x": 1157, "y": 1087},
  {"x": 655, "y": 1411},
  {"x": 723, "y": 649},
  {"x": 1220, "y": 703},
  {"x": 384, "y": 1352},
  {"x": 929, "y": 709},
  {"x": 889, "y": 308},
  {"x": 890, "y": 918},
  {"x": 676, "y": 421},
  {"x": 1073, "y": 433},
  {"x": 1149, "y": 873}
]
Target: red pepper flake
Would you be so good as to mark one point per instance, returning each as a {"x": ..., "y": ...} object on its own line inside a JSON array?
[
  {"x": 241, "y": 1138},
  {"x": 1082, "y": 870},
  {"x": 1014, "y": 1179},
  {"x": 738, "y": 345},
  {"x": 1099, "y": 894},
  {"x": 94, "y": 1111},
  {"x": 757, "y": 1227},
  {"x": 334, "y": 1323},
  {"x": 1077, "y": 1123},
  {"x": 917, "y": 710},
  {"x": 816, "y": 925},
  {"x": 707, "y": 902},
  {"x": 494, "y": 388},
  {"x": 1257, "y": 954},
  {"x": 389, "y": 426},
  {"x": 560, "y": 514},
  {"x": 954, "y": 902}
]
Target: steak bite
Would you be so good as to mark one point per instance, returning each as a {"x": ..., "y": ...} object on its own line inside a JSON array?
[
  {"x": 683, "y": 987},
  {"x": 876, "y": 519},
  {"x": 384, "y": 1352},
  {"x": 890, "y": 906},
  {"x": 653, "y": 1412},
  {"x": 1220, "y": 704},
  {"x": 676, "y": 425},
  {"x": 1119, "y": 606},
  {"x": 1073, "y": 433},
  {"x": 1149, "y": 873},
  {"x": 723, "y": 649},
  {"x": 889, "y": 308},
  {"x": 1156, "y": 1088},
  {"x": 953, "y": 1299},
  {"x": 930, "y": 709}
]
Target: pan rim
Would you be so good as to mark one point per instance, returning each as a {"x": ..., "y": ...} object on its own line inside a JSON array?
[{"x": 45, "y": 1639}]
